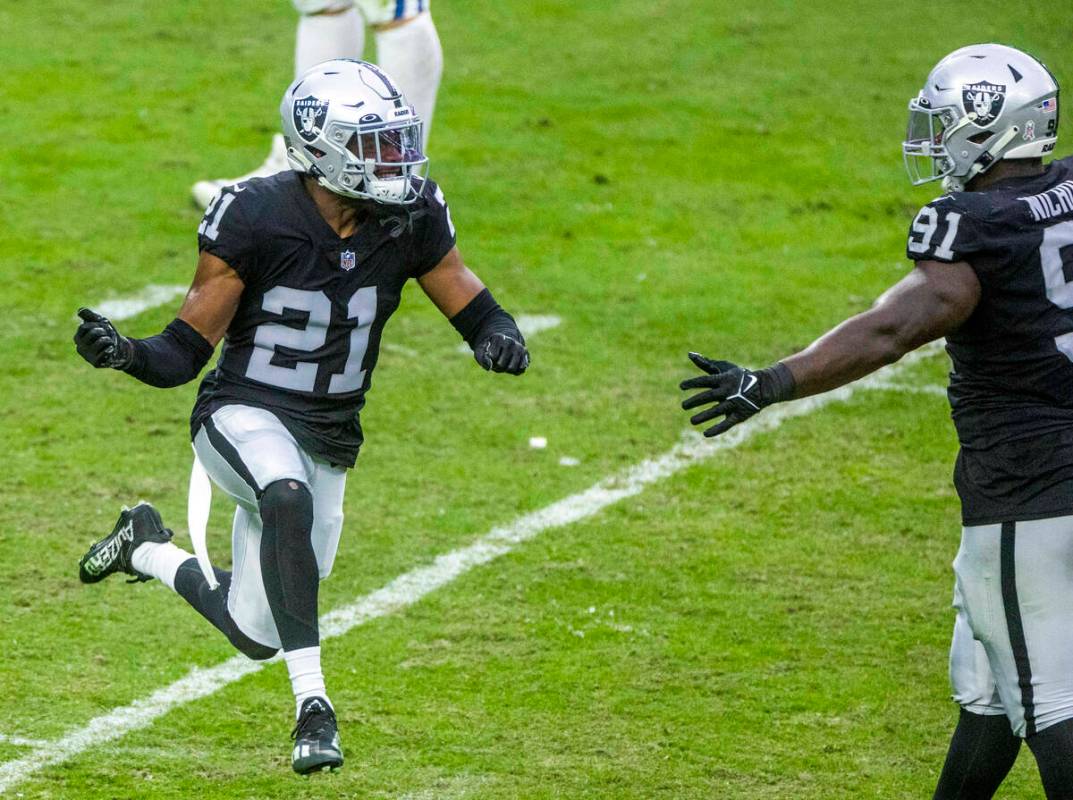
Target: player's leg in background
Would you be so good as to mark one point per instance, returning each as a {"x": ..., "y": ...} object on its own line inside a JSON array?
[
  {"x": 1017, "y": 583},
  {"x": 327, "y": 29},
  {"x": 983, "y": 748},
  {"x": 408, "y": 49}
]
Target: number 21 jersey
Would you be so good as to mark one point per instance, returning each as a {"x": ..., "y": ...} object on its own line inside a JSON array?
[
  {"x": 1011, "y": 388},
  {"x": 306, "y": 335}
]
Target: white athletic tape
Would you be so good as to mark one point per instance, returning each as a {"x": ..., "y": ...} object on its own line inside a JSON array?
[
  {"x": 410, "y": 587},
  {"x": 199, "y": 501}
]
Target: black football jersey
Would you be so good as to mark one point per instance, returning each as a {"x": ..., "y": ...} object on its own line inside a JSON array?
[
  {"x": 1011, "y": 388},
  {"x": 306, "y": 335}
]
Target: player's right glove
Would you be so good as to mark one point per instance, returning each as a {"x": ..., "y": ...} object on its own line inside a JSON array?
[
  {"x": 737, "y": 392},
  {"x": 99, "y": 342},
  {"x": 502, "y": 353}
]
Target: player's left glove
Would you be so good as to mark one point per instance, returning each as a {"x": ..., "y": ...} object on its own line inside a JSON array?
[
  {"x": 737, "y": 392},
  {"x": 502, "y": 353},
  {"x": 99, "y": 342}
]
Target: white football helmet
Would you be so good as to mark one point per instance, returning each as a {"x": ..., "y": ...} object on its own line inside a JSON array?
[
  {"x": 981, "y": 103},
  {"x": 346, "y": 123}
]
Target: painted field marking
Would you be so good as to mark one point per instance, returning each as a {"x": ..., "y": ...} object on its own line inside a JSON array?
[
  {"x": 410, "y": 587},
  {"x": 22, "y": 741},
  {"x": 153, "y": 295},
  {"x": 910, "y": 388},
  {"x": 529, "y": 325}
]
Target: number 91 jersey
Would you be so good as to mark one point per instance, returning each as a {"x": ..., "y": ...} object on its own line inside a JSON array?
[
  {"x": 1011, "y": 388},
  {"x": 306, "y": 334}
]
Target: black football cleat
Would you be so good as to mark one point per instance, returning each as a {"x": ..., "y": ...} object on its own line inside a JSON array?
[
  {"x": 316, "y": 738},
  {"x": 112, "y": 553}
]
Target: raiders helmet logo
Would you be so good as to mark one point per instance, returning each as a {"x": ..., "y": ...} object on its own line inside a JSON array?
[
  {"x": 309, "y": 115},
  {"x": 985, "y": 100}
]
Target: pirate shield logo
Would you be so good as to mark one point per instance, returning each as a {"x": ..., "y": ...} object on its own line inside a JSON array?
[
  {"x": 309, "y": 114},
  {"x": 983, "y": 99}
]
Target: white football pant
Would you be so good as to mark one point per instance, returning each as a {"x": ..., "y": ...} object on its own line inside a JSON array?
[
  {"x": 1012, "y": 650},
  {"x": 244, "y": 449}
]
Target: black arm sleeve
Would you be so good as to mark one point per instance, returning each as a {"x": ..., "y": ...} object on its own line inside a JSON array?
[
  {"x": 171, "y": 358},
  {"x": 482, "y": 317}
]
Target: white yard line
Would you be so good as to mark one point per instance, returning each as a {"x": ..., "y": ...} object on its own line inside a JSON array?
[
  {"x": 21, "y": 741},
  {"x": 391, "y": 347},
  {"x": 120, "y": 308},
  {"x": 410, "y": 587},
  {"x": 911, "y": 388},
  {"x": 529, "y": 325}
]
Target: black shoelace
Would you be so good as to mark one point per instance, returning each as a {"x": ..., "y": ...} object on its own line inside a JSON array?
[{"x": 315, "y": 723}]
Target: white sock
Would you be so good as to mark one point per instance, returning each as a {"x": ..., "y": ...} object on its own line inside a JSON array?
[
  {"x": 322, "y": 37},
  {"x": 159, "y": 559},
  {"x": 411, "y": 55},
  {"x": 306, "y": 678}
]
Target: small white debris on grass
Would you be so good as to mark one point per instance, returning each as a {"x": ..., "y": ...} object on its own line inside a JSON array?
[
  {"x": 538, "y": 442},
  {"x": 568, "y": 461}
]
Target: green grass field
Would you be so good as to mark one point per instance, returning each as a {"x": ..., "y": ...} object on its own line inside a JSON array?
[{"x": 665, "y": 176}]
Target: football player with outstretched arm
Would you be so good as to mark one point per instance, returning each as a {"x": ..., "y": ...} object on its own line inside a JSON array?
[
  {"x": 297, "y": 274},
  {"x": 992, "y": 265}
]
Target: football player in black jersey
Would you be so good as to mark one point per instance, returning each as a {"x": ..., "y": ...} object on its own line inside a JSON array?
[
  {"x": 297, "y": 275},
  {"x": 993, "y": 274}
]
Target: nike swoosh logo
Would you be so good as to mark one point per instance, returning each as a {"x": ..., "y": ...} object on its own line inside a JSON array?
[{"x": 745, "y": 387}]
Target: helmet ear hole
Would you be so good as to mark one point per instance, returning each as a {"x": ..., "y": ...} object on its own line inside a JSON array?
[
  {"x": 314, "y": 151},
  {"x": 981, "y": 137}
]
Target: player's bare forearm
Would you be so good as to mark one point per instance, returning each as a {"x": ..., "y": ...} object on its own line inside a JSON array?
[
  {"x": 450, "y": 284},
  {"x": 490, "y": 331},
  {"x": 934, "y": 299},
  {"x": 213, "y": 297},
  {"x": 931, "y": 301},
  {"x": 179, "y": 352}
]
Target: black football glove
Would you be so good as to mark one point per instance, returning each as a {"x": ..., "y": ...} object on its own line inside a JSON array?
[
  {"x": 737, "y": 392},
  {"x": 501, "y": 353},
  {"x": 99, "y": 342}
]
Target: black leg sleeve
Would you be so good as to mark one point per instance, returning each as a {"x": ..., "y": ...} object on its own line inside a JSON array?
[
  {"x": 288, "y": 563},
  {"x": 212, "y": 605},
  {"x": 982, "y": 752},
  {"x": 1053, "y": 749}
]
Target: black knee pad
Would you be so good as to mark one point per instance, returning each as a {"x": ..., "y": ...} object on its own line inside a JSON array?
[{"x": 287, "y": 507}]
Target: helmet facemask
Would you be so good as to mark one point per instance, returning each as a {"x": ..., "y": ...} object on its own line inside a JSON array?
[
  {"x": 347, "y": 124},
  {"x": 381, "y": 164},
  {"x": 980, "y": 104},
  {"x": 924, "y": 148}
]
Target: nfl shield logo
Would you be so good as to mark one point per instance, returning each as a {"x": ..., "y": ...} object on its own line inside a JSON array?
[
  {"x": 309, "y": 114},
  {"x": 348, "y": 260},
  {"x": 985, "y": 100}
]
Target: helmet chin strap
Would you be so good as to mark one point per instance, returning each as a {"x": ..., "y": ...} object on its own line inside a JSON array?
[{"x": 984, "y": 162}]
